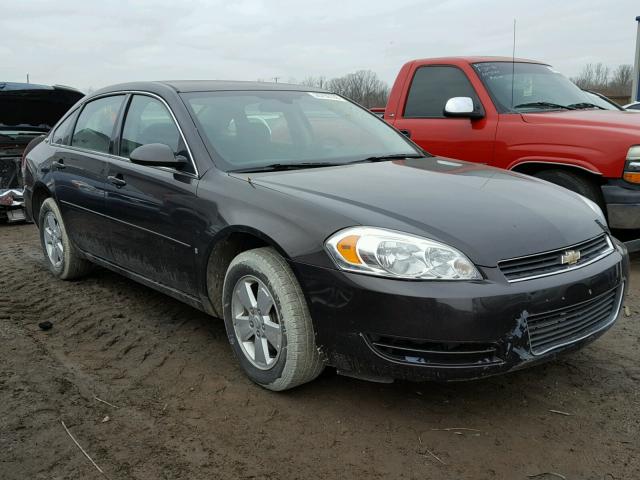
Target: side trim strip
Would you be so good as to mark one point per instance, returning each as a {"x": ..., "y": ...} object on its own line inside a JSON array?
[{"x": 73, "y": 205}]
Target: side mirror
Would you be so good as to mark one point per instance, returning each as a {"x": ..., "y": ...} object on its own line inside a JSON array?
[
  {"x": 158, "y": 155},
  {"x": 462, "y": 107}
]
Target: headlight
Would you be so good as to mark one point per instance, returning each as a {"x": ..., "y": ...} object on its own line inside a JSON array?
[
  {"x": 387, "y": 253},
  {"x": 632, "y": 166},
  {"x": 595, "y": 207}
]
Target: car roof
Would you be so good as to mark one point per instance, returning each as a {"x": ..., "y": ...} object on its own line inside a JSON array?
[
  {"x": 475, "y": 59},
  {"x": 183, "y": 86}
]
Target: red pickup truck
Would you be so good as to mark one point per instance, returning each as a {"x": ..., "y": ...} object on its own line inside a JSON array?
[{"x": 524, "y": 116}]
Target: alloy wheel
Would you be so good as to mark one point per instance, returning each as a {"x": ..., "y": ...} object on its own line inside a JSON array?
[
  {"x": 53, "y": 239},
  {"x": 256, "y": 322}
]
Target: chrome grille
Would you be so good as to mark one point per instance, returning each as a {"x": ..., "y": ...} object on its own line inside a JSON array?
[
  {"x": 551, "y": 263},
  {"x": 560, "y": 327}
]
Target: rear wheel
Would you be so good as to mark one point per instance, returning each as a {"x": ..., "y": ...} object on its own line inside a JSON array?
[
  {"x": 268, "y": 323},
  {"x": 575, "y": 182},
  {"x": 62, "y": 258}
]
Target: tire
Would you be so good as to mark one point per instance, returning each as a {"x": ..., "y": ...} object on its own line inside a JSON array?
[
  {"x": 574, "y": 182},
  {"x": 289, "y": 356},
  {"x": 53, "y": 235}
]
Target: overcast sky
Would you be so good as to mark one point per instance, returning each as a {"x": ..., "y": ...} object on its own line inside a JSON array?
[{"x": 85, "y": 43}]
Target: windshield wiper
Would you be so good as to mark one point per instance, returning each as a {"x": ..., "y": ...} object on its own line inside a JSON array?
[
  {"x": 384, "y": 158},
  {"x": 584, "y": 105},
  {"x": 544, "y": 105},
  {"x": 278, "y": 167}
]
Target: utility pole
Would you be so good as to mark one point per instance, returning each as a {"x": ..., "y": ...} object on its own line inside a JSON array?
[
  {"x": 27, "y": 78},
  {"x": 635, "y": 92}
]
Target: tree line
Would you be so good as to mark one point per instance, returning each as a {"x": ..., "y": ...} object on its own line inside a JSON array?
[
  {"x": 363, "y": 87},
  {"x": 600, "y": 78}
]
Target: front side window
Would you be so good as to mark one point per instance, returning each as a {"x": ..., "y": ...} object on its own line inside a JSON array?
[
  {"x": 62, "y": 134},
  {"x": 95, "y": 124},
  {"x": 149, "y": 121},
  {"x": 532, "y": 87},
  {"x": 252, "y": 129},
  {"x": 432, "y": 87}
]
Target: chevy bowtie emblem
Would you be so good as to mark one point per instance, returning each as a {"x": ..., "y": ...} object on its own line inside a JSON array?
[{"x": 570, "y": 257}]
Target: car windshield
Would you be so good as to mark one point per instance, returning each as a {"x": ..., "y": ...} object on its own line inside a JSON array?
[
  {"x": 296, "y": 129},
  {"x": 534, "y": 87}
]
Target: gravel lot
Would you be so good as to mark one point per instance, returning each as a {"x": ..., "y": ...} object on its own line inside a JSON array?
[{"x": 183, "y": 409}]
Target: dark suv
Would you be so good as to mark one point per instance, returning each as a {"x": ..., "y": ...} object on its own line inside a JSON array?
[{"x": 321, "y": 234}]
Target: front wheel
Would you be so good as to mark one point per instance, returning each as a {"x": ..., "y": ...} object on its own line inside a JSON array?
[
  {"x": 267, "y": 321},
  {"x": 62, "y": 258},
  {"x": 574, "y": 182}
]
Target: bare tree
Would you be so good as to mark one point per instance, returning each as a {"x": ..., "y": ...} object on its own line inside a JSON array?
[
  {"x": 621, "y": 79},
  {"x": 363, "y": 87},
  {"x": 594, "y": 76}
]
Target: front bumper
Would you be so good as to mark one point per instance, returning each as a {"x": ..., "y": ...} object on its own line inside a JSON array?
[
  {"x": 423, "y": 330},
  {"x": 623, "y": 204}
]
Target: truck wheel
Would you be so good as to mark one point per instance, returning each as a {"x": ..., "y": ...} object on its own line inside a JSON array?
[
  {"x": 62, "y": 258},
  {"x": 268, "y": 323},
  {"x": 574, "y": 182}
]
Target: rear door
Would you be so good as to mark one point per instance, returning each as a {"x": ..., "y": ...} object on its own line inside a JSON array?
[
  {"x": 83, "y": 144},
  {"x": 422, "y": 116},
  {"x": 152, "y": 219}
]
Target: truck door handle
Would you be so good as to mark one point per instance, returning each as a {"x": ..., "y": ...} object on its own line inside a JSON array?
[
  {"x": 59, "y": 164},
  {"x": 406, "y": 133},
  {"x": 117, "y": 180}
]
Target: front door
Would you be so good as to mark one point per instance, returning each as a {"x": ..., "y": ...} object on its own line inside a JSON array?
[
  {"x": 422, "y": 117},
  {"x": 151, "y": 208}
]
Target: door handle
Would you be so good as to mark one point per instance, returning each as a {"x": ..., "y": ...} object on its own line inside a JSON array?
[
  {"x": 406, "y": 133},
  {"x": 59, "y": 164},
  {"x": 117, "y": 180}
]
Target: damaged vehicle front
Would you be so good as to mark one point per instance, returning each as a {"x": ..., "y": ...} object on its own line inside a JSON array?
[{"x": 27, "y": 111}]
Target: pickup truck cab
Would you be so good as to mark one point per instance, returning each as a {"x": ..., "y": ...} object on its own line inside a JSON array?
[{"x": 524, "y": 116}]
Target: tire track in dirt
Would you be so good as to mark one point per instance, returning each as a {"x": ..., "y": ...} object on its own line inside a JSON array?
[{"x": 186, "y": 411}]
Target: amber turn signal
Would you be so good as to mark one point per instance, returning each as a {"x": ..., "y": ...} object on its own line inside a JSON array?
[
  {"x": 632, "y": 177},
  {"x": 347, "y": 248}
]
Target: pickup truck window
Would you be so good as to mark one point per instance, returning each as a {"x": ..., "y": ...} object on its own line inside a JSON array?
[
  {"x": 536, "y": 87},
  {"x": 432, "y": 86}
]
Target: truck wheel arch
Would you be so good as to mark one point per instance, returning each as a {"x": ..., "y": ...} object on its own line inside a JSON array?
[{"x": 530, "y": 167}]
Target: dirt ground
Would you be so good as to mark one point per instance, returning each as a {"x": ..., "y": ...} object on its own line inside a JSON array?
[{"x": 182, "y": 409}]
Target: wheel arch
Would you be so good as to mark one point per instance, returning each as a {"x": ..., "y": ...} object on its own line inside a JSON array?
[
  {"x": 40, "y": 193},
  {"x": 531, "y": 167},
  {"x": 222, "y": 249}
]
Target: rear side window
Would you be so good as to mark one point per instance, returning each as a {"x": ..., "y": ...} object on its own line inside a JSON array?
[
  {"x": 62, "y": 134},
  {"x": 432, "y": 87},
  {"x": 149, "y": 121},
  {"x": 95, "y": 124}
]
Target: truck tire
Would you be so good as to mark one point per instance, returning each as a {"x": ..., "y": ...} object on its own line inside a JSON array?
[
  {"x": 267, "y": 321},
  {"x": 574, "y": 182},
  {"x": 62, "y": 258}
]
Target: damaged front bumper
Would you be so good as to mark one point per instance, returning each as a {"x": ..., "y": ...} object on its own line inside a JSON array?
[{"x": 383, "y": 329}]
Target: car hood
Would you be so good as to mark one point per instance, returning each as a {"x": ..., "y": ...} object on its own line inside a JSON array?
[
  {"x": 614, "y": 119},
  {"x": 487, "y": 213},
  {"x": 34, "y": 106}
]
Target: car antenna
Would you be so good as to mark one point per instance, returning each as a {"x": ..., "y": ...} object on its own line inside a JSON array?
[{"x": 513, "y": 62}]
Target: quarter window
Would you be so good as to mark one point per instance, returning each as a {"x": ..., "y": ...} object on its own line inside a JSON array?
[
  {"x": 432, "y": 87},
  {"x": 62, "y": 134},
  {"x": 149, "y": 121},
  {"x": 95, "y": 124}
]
